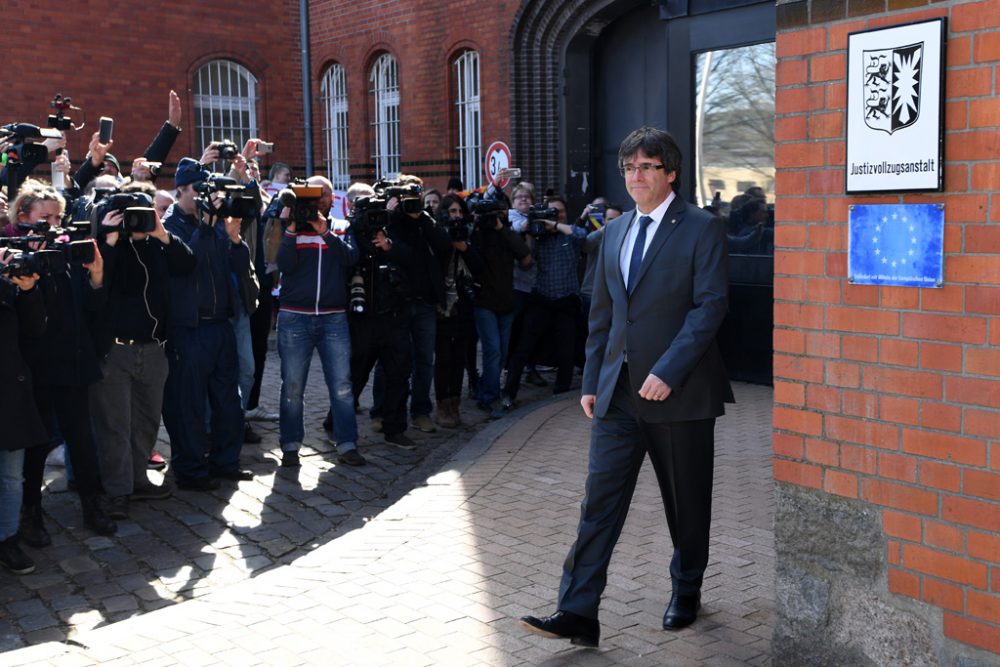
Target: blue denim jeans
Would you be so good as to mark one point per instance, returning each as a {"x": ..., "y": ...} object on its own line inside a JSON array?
[
  {"x": 244, "y": 352},
  {"x": 298, "y": 336},
  {"x": 421, "y": 321},
  {"x": 494, "y": 335},
  {"x": 11, "y": 487}
]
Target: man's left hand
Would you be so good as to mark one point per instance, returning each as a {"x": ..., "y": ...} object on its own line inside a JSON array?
[{"x": 654, "y": 389}]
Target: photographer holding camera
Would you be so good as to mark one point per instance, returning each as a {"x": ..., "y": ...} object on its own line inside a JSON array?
[
  {"x": 22, "y": 315},
  {"x": 555, "y": 302},
  {"x": 455, "y": 323},
  {"x": 63, "y": 361},
  {"x": 140, "y": 256},
  {"x": 417, "y": 245},
  {"x": 312, "y": 315},
  {"x": 202, "y": 352},
  {"x": 378, "y": 309},
  {"x": 500, "y": 247}
]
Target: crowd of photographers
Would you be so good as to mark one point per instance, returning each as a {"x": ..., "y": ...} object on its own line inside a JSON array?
[{"x": 122, "y": 304}]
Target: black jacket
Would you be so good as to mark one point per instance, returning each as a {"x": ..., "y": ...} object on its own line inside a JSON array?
[
  {"x": 137, "y": 279},
  {"x": 499, "y": 249},
  {"x": 211, "y": 288},
  {"x": 65, "y": 355},
  {"x": 420, "y": 247},
  {"x": 22, "y": 317}
]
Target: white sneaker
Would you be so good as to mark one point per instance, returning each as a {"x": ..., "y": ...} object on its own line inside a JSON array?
[{"x": 259, "y": 414}]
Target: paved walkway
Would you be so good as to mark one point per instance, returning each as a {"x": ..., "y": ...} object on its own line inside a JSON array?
[{"x": 440, "y": 577}]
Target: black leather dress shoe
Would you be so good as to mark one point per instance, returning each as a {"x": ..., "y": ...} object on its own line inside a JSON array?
[
  {"x": 579, "y": 630},
  {"x": 681, "y": 611},
  {"x": 198, "y": 484},
  {"x": 234, "y": 475}
]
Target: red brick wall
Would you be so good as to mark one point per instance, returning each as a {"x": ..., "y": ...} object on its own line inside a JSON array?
[
  {"x": 424, "y": 37},
  {"x": 121, "y": 61},
  {"x": 890, "y": 394}
]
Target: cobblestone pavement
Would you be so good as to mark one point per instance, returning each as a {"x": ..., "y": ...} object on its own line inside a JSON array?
[
  {"x": 440, "y": 577},
  {"x": 182, "y": 548}
]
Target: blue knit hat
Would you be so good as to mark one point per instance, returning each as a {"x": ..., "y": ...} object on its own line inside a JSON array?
[{"x": 189, "y": 171}]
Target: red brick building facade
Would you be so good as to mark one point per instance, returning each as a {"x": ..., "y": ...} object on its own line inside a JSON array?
[
  {"x": 121, "y": 62},
  {"x": 887, "y": 401},
  {"x": 424, "y": 39}
]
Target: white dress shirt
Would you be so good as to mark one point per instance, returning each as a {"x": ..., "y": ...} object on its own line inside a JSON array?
[{"x": 625, "y": 258}]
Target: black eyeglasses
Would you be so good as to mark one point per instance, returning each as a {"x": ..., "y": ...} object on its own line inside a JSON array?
[{"x": 646, "y": 168}]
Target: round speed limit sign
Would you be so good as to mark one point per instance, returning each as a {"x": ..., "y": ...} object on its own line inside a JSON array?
[{"x": 497, "y": 160}]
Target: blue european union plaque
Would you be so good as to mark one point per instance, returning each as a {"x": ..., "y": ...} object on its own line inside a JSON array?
[{"x": 896, "y": 244}]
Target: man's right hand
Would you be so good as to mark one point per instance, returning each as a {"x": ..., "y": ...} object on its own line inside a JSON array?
[
  {"x": 98, "y": 150},
  {"x": 381, "y": 241},
  {"x": 211, "y": 154},
  {"x": 587, "y": 402}
]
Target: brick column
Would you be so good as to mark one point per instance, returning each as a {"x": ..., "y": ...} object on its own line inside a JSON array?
[{"x": 886, "y": 420}]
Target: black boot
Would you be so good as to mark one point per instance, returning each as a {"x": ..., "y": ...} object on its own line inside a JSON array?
[
  {"x": 32, "y": 530},
  {"x": 95, "y": 518}
]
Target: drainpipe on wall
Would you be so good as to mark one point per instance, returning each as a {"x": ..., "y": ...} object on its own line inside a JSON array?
[{"x": 306, "y": 87}]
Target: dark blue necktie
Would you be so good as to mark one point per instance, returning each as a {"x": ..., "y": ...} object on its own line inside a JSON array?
[{"x": 637, "y": 250}]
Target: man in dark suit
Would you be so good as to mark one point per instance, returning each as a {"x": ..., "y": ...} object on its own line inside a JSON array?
[{"x": 653, "y": 383}]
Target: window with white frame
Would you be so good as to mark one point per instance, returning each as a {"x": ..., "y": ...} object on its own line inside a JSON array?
[
  {"x": 467, "y": 105},
  {"x": 385, "y": 116},
  {"x": 333, "y": 97},
  {"x": 225, "y": 103}
]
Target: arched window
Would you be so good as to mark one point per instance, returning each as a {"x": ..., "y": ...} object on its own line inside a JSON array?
[
  {"x": 467, "y": 105},
  {"x": 333, "y": 96},
  {"x": 385, "y": 116},
  {"x": 225, "y": 103}
]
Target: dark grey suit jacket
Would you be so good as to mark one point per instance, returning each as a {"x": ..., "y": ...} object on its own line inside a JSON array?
[{"x": 667, "y": 326}]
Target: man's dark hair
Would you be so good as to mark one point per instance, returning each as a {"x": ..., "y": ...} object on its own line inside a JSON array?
[
  {"x": 455, "y": 183},
  {"x": 617, "y": 207},
  {"x": 559, "y": 198},
  {"x": 656, "y": 144}
]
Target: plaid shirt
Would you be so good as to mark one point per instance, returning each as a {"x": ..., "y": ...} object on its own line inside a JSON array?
[{"x": 556, "y": 256}]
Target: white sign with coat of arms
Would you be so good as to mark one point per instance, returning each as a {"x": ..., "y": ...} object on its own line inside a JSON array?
[{"x": 895, "y": 90}]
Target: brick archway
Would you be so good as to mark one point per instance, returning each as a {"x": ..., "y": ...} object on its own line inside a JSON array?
[{"x": 540, "y": 36}]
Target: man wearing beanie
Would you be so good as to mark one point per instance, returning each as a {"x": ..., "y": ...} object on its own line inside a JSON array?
[{"x": 203, "y": 363}]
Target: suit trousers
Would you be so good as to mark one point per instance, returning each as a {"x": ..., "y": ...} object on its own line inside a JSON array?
[{"x": 682, "y": 454}]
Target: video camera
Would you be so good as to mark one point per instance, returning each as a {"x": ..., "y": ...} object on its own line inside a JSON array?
[
  {"x": 408, "y": 195},
  {"x": 21, "y": 150},
  {"x": 303, "y": 202},
  {"x": 139, "y": 214},
  {"x": 486, "y": 207},
  {"x": 59, "y": 120},
  {"x": 537, "y": 216},
  {"x": 42, "y": 262},
  {"x": 63, "y": 247},
  {"x": 369, "y": 216},
  {"x": 458, "y": 230},
  {"x": 234, "y": 203}
]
